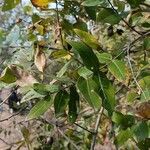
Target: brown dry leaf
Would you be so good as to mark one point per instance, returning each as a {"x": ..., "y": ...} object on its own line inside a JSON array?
[
  {"x": 41, "y": 3},
  {"x": 40, "y": 59},
  {"x": 143, "y": 110},
  {"x": 23, "y": 78}
]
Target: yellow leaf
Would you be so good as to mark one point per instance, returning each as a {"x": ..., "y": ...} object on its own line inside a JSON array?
[
  {"x": 41, "y": 3},
  {"x": 40, "y": 59}
]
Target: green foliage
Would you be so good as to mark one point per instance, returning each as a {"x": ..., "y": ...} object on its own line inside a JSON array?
[{"x": 91, "y": 83}]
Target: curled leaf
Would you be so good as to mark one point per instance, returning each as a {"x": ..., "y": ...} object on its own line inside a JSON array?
[
  {"x": 40, "y": 59},
  {"x": 143, "y": 110}
]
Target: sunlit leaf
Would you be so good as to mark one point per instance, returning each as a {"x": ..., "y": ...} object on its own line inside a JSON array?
[
  {"x": 118, "y": 69},
  {"x": 123, "y": 136},
  {"x": 92, "y": 3},
  {"x": 40, "y": 108},
  {"x": 89, "y": 89},
  {"x": 10, "y": 4},
  {"x": 86, "y": 37},
  {"x": 7, "y": 76},
  {"x": 104, "y": 57}
]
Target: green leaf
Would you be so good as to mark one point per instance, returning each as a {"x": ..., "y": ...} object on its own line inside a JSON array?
[
  {"x": 60, "y": 102},
  {"x": 10, "y": 4},
  {"x": 45, "y": 88},
  {"x": 145, "y": 82},
  {"x": 32, "y": 94},
  {"x": 118, "y": 69},
  {"x": 87, "y": 38},
  {"x": 108, "y": 15},
  {"x": 89, "y": 89},
  {"x": 73, "y": 104},
  {"x": 40, "y": 108},
  {"x": 92, "y": 3},
  {"x": 91, "y": 11},
  {"x": 123, "y": 136},
  {"x": 80, "y": 25},
  {"x": 123, "y": 121},
  {"x": 58, "y": 54},
  {"x": 141, "y": 131},
  {"x": 147, "y": 43},
  {"x": 131, "y": 96},
  {"x": 104, "y": 57},
  {"x": 134, "y": 3},
  {"x": 63, "y": 69},
  {"x": 145, "y": 96},
  {"x": 106, "y": 91},
  {"x": 89, "y": 58},
  {"x": 144, "y": 145},
  {"x": 7, "y": 76},
  {"x": 85, "y": 73}
]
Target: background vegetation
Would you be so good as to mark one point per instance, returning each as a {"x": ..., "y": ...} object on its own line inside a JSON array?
[{"x": 83, "y": 70}]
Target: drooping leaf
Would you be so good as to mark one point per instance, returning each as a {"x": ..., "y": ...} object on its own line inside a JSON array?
[
  {"x": 89, "y": 89},
  {"x": 40, "y": 59},
  {"x": 60, "y": 102},
  {"x": 107, "y": 15},
  {"x": 87, "y": 55},
  {"x": 73, "y": 105},
  {"x": 10, "y": 4},
  {"x": 118, "y": 69},
  {"x": 40, "y": 108},
  {"x": 87, "y": 38},
  {"x": 7, "y": 76},
  {"x": 106, "y": 91}
]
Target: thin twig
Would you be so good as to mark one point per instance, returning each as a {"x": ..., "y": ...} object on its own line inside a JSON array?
[
  {"x": 84, "y": 128},
  {"x": 5, "y": 99},
  {"x": 131, "y": 68},
  {"x": 58, "y": 23},
  {"x": 96, "y": 128},
  {"x": 5, "y": 142},
  {"x": 13, "y": 115},
  {"x": 124, "y": 19}
]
